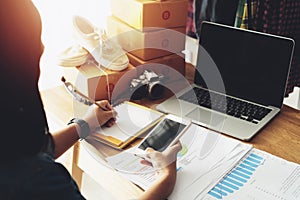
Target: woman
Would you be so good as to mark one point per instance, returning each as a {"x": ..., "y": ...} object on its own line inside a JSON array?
[{"x": 27, "y": 166}]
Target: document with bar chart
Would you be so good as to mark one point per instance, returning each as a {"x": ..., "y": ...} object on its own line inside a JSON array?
[
  {"x": 211, "y": 166},
  {"x": 259, "y": 176}
]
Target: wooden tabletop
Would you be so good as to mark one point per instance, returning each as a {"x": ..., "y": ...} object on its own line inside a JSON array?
[{"x": 280, "y": 137}]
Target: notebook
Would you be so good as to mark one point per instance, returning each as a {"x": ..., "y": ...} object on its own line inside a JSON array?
[
  {"x": 240, "y": 81},
  {"x": 133, "y": 120}
]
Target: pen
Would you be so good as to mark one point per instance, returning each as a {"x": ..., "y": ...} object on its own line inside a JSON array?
[{"x": 81, "y": 97}]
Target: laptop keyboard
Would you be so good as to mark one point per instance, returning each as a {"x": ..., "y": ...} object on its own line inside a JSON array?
[{"x": 224, "y": 104}]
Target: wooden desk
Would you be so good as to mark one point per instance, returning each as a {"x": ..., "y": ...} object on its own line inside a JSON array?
[{"x": 281, "y": 137}]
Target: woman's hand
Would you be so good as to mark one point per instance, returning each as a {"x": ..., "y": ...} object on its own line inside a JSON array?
[
  {"x": 99, "y": 115},
  {"x": 165, "y": 164},
  {"x": 160, "y": 160}
]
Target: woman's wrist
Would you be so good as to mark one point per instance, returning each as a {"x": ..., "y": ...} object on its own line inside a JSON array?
[
  {"x": 82, "y": 127},
  {"x": 168, "y": 174}
]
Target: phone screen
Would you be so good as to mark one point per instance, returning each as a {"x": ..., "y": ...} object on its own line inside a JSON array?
[{"x": 162, "y": 135}]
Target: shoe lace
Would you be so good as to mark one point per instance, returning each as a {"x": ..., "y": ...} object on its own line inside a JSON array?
[
  {"x": 101, "y": 36},
  {"x": 105, "y": 43},
  {"x": 108, "y": 50}
]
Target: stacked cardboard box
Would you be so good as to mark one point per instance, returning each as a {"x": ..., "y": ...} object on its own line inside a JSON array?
[
  {"x": 99, "y": 83},
  {"x": 153, "y": 34}
]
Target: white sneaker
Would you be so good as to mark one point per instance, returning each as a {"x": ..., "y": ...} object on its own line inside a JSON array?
[
  {"x": 73, "y": 56},
  {"x": 107, "y": 53}
]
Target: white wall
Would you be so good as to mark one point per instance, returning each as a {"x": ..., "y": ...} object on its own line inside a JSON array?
[{"x": 294, "y": 99}]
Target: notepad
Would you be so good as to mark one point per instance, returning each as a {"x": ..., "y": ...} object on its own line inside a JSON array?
[{"x": 132, "y": 121}]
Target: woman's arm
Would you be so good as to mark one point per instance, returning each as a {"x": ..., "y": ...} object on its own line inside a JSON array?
[
  {"x": 164, "y": 185},
  {"x": 95, "y": 117},
  {"x": 65, "y": 138},
  {"x": 165, "y": 164}
]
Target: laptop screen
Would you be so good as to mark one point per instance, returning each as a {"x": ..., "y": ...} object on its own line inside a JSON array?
[{"x": 252, "y": 66}]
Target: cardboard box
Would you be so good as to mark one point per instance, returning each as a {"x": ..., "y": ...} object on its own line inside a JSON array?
[
  {"x": 141, "y": 14},
  {"x": 172, "y": 66},
  {"x": 98, "y": 83},
  {"x": 146, "y": 45}
]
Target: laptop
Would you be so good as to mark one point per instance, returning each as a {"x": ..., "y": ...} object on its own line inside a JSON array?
[{"x": 240, "y": 80}]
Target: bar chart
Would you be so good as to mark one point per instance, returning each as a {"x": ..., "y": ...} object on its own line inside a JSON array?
[{"x": 239, "y": 176}]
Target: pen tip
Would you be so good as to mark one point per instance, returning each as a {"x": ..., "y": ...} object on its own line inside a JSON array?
[{"x": 63, "y": 79}]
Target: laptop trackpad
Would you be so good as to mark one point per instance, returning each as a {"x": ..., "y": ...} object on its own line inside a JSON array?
[
  {"x": 210, "y": 119},
  {"x": 200, "y": 115}
]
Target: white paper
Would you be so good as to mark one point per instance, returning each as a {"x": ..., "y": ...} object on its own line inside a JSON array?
[
  {"x": 199, "y": 176},
  {"x": 130, "y": 167},
  {"x": 130, "y": 120},
  {"x": 228, "y": 162},
  {"x": 272, "y": 179},
  {"x": 191, "y": 166}
]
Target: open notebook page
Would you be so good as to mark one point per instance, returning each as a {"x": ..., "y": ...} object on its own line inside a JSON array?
[{"x": 131, "y": 120}]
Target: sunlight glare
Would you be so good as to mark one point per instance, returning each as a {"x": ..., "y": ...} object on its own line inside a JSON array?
[{"x": 56, "y": 18}]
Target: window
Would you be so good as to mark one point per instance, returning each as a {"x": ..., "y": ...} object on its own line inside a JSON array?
[{"x": 57, "y": 31}]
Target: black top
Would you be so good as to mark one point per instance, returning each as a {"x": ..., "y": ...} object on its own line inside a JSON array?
[{"x": 23, "y": 122}]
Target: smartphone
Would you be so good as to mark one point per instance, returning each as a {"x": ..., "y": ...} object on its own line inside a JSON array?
[{"x": 166, "y": 133}]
